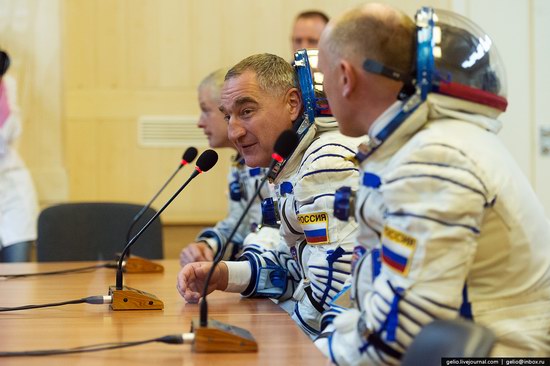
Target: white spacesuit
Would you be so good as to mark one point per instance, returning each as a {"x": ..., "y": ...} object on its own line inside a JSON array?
[
  {"x": 243, "y": 182},
  {"x": 450, "y": 227},
  {"x": 312, "y": 261}
]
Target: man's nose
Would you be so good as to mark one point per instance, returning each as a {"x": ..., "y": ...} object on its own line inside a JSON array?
[
  {"x": 235, "y": 130},
  {"x": 201, "y": 121}
]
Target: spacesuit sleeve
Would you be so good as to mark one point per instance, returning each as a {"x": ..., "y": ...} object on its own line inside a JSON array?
[
  {"x": 434, "y": 204},
  {"x": 327, "y": 259}
]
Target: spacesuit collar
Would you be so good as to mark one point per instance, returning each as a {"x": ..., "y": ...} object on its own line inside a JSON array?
[
  {"x": 441, "y": 106},
  {"x": 436, "y": 106},
  {"x": 321, "y": 124},
  {"x": 406, "y": 129}
]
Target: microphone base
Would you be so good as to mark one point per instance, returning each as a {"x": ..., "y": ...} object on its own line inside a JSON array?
[
  {"x": 221, "y": 337},
  {"x": 141, "y": 265},
  {"x": 132, "y": 299}
]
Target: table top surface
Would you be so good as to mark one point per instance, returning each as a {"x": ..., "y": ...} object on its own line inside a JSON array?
[{"x": 279, "y": 339}]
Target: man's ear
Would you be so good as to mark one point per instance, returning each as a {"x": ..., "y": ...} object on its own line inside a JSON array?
[
  {"x": 293, "y": 100},
  {"x": 348, "y": 78}
]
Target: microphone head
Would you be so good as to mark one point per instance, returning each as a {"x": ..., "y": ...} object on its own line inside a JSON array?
[
  {"x": 207, "y": 160},
  {"x": 189, "y": 155},
  {"x": 285, "y": 145}
]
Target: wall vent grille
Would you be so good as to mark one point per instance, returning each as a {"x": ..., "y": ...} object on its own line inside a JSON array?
[{"x": 170, "y": 131}]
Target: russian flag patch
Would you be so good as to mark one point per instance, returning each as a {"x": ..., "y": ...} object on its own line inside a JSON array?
[
  {"x": 315, "y": 227},
  {"x": 397, "y": 250}
]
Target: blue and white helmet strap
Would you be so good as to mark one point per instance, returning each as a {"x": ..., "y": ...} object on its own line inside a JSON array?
[
  {"x": 425, "y": 68},
  {"x": 424, "y": 51},
  {"x": 303, "y": 71}
]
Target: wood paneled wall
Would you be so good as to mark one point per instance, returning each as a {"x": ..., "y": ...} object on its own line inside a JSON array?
[
  {"x": 127, "y": 58},
  {"x": 88, "y": 69}
]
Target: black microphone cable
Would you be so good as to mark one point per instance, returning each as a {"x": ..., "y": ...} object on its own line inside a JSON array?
[
  {"x": 205, "y": 162},
  {"x": 284, "y": 146},
  {"x": 59, "y": 272},
  {"x": 95, "y": 300},
  {"x": 183, "y": 338}
]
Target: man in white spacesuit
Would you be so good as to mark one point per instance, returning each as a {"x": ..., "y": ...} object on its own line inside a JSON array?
[
  {"x": 260, "y": 100},
  {"x": 449, "y": 225},
  {"x": 18, "y": 202},
  {"x": 242, "y": 182}
]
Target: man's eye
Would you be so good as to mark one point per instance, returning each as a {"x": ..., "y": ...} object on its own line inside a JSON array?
[
  {"x": 246, "y": 112},
  {"x": 226, "y": 117}
]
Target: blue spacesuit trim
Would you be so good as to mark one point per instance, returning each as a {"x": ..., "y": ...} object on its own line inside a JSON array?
[
  {"x": 376, "y": 263},
  {"x": 329, "y": 171},
  {"x": 325, "y": 268},
  {"x": 329, "y": 156},
  {"x": 371, "y": 180},
  {"x": 466, "y": 307},
  {"x": 319, "y": 290},
  {"x": 459, "y": 151},
  {"x": 283, "y": 214},
  {"x": 327, "y": 320},
  {"x": 330, "y": 351},
  {"x": 393, "y": 318},
  {"x": 254, "y": 248},
  {"x": 210, "y": 234},
  {"x": 364, "y": 221},
  {"x": 444, "y": 306},
  {"x": 376, "y": 293},
  {"x": 451, "y": 167},
  {"x": 322, "y": 147},
  {"x": 251, "y": 258},
  {"x": 317, "y": 197},
  {"x": 477, "y": 191},
  {"x": 406, "y": 214},
  {"x": 285, "y": 188},
  {"x": 277, "y": 277},
  {"x": 411, "y": 318},
  {"x": 331, "y": 258},
  {"x": 302, "y": 321},
  {"x": 254, "y": 171},
  {"x": 419, "y": 308},
  {"x": 333, "y": 279}
]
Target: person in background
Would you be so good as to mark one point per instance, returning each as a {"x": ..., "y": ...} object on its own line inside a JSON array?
[
  {"x": 307, "y": 29},
  {"x": 242, "y": 182},
  {"x": 448, "y": 224},
  {"x": 263, "y": 96},
  {"x": 18, "y": 202}
]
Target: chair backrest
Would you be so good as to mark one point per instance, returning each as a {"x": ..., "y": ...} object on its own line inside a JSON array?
[
  {"x": 94, "y": 231},
  {"x": 448, "y": 338}
]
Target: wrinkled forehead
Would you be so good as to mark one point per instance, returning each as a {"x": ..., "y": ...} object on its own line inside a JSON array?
[{"x": 240, "y": 89}]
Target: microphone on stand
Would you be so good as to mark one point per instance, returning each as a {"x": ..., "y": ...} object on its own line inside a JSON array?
[
  {"x": 127, "y": 298},
  {"x": 212, "y": 335},
  {"x": 141, "y": 265}
]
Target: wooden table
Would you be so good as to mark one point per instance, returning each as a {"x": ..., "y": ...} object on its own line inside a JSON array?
[{"x": 280, "y": 340}]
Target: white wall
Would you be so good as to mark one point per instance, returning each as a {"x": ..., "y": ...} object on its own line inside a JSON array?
[
  {"x": 540, "y": 76},
  {"x": 521, "y": 32}
]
